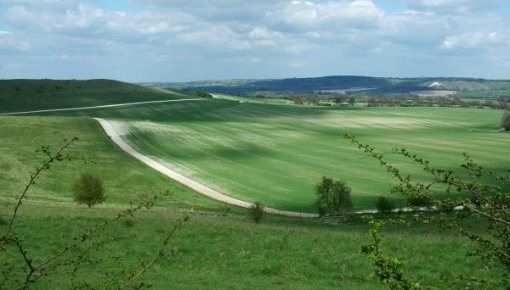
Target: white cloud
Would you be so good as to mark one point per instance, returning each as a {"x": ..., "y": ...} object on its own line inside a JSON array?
[
  {"x": 462, "y": 6},
  {"x": 476, "y": 40},
  {"x": 306, "y": 15},
  {"x": 319, "y": 35}
]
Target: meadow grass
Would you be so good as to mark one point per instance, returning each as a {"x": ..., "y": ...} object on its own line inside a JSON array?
[
  {"x": 275, "y": 154},
  {"x": 232, "y": 252}
]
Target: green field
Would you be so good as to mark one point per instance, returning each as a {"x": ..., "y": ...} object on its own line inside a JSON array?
[
  {"x": 275, "y": 154},
  {"x": 215, "y": 252}
]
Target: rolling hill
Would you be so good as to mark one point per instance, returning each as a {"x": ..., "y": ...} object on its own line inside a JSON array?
[
  {"x": 26, "y": 95},
  {"x": 470, "y": 87}
]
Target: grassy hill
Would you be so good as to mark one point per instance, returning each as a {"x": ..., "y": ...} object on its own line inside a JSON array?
[{"x": 26, "y": 95}]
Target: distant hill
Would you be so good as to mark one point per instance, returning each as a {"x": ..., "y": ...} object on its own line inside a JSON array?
[
  {"x": 26, "y": 95},
  {"x": 467, "y": 86}
]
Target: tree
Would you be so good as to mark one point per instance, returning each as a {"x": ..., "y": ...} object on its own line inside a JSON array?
[
  {"x": 384, "y": 205},
  {"x": 257, "y": 211},
  {"x": 88, "y": 189},
  {"x": 505, "y": 123},
  {"x": 333, "y": 197},
  {"x": 352, "y": 101}
]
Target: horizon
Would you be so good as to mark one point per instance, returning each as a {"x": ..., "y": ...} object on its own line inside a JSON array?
[
  {"x": 176, "y": 41},
  {"x": 259, "y": 79}
]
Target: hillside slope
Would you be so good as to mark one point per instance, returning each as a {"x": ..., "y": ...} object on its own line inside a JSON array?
[{"x": 25, "y": 95}]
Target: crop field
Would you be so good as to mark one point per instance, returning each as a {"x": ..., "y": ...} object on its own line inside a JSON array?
[
  {"x": 275, "y": 154},
  {"x": 125, "y": 179}
]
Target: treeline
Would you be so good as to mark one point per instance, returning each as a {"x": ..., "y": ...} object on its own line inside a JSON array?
[
  {"x": 317, "y": 100},
  {"x": 398, "y": 101},
  {"x": 437, "y": 101}
]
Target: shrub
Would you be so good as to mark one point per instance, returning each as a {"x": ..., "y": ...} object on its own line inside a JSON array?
[
  {"x": 257, "y": 211},
  {"x": 384, "y": 205},
  {"x": 419, "y": 200},
  {"x": 129, "y": 222},
  {"x": 505, "y": 123},
  {"x": 88, "y": 189}
]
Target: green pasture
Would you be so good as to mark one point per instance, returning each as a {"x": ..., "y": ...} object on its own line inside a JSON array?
[
  {"x": 232, "y": 252},
  {"x": 275, "y": 154}
]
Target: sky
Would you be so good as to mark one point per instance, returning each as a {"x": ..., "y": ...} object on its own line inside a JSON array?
[{"x": 187, "y": 40}]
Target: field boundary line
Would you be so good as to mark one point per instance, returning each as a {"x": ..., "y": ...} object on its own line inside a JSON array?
[
  {"x": 99, "y": 107},
  {"x": 198, "y": 187}
]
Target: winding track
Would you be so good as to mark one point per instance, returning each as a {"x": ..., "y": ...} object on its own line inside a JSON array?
[
  {"x": 99, "y": 107},
  {"x": 200, "y": 188}
]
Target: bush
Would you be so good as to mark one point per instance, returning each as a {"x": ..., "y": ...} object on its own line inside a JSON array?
[
  {"x": 257, "y": 211},
  {"x": 88, "y": 189},
  {"x": 384, "y": 205},
  {"x": 419, "y": 200},
  {"x": 505, "y": 123},
  {"x": 334, "y": 197}
]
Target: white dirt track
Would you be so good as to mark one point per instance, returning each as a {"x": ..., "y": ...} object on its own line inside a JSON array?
[
  {"x": 99, "y": 107},
  {"x": 198, "y": 187}
]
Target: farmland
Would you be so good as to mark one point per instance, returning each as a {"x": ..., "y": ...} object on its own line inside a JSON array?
[
  {"x": 275, "y": 154},
  {"x": 253, "y": 149}
]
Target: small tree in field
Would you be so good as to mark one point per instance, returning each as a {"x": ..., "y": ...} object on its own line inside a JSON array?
[
  {"x": 505, "y": 123},
  {"x": 257, "y": 211},
  {"x": 384, "y": 205},
  {"x": 88, "y": 189},
  {"x": 334, "y": 197}
]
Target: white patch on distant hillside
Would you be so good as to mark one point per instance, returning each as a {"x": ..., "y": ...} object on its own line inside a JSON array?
[
  {"x": 435, "y": 85},
  {"x": 434, "y": 93}
]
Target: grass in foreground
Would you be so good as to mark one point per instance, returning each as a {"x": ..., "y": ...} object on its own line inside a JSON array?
[{"x": 212, "y": 252}]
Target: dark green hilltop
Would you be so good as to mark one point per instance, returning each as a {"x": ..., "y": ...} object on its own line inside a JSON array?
[{"x": 26, "y": 95}]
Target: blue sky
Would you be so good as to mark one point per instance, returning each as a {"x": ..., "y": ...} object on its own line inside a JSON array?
[{"x": 184, "y": 40}]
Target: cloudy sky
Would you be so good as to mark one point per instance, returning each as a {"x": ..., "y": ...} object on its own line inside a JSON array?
[{"x": 183, "y": 40}]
